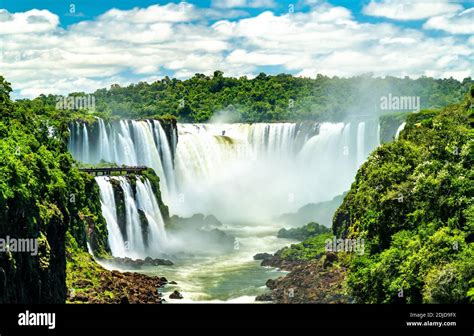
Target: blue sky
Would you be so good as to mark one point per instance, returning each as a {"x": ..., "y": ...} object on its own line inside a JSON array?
[{"x": 48, "y": 46}]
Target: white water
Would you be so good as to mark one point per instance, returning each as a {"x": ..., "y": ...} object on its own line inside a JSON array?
[
  {"x": 130, "y": 241},
  {"x": 237, "y": 172},
  {"x": 244, "y": 174},
  {"x": 109, "y": 211},
  {"x": 360, "y": 143},
  {"x": 128, "y": 142},
  {"x": 399, "y": 129}
]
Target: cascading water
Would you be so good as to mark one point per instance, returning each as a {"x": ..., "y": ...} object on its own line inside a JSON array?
[
  {"x": 109, "y": 211},
  {"x": 85, "y": 145},
  {"x": 237, "y": 172},
  {"x": 360, "y": 143},
  {"x": 399, "y": 129},
  {"x": 244, "y": 174},
  {"x": 126, "y": 231},
  {"x": 128, "y": 142}
]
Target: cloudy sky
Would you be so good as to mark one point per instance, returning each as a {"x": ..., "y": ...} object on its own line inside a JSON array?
[{"x": 56, "y": 46}]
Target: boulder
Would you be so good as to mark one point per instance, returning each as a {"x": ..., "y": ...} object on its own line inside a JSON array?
[{"x": 176, "y": 295}]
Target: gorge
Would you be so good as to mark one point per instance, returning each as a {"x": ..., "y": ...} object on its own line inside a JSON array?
[{"x": 246, "y": 175}]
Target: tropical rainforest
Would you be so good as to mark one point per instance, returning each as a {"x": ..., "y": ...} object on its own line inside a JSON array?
[
  {"x": 267, "y": 97},
  {"x": 411, "y": 200}
]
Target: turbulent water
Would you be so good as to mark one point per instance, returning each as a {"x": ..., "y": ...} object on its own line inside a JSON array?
[
  {"x": 130, "y": 241},
  {"x": 244, "y": 174}
]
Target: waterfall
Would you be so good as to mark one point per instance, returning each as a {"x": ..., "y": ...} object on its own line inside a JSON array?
[
  {"x": 109, "y": 211},
  {"x": 166, "y": 153},
  {"x": 237, "y": 172},
  {"x": 104, "y": 142},
  {"x": 125, "y": 142},
  {"x": 130, "y": 235},
  {"x": 150, "y": 207},
  {"x": 85, "y": 144},
  {"x": 399, "y": 129},
  {"x": 360, "y": 143}
]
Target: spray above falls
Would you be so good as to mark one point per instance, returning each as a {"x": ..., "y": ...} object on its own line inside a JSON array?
[{"x": 237, "y": 172}]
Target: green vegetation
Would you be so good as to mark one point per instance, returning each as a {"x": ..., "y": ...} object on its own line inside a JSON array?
[
  {"x": 389, "y": 124},
  {"x": 42, "y": 195},
  {"x": 301, "y": 233},
  {"x": 281, "y": 97},
  {"x": 412, "y": 202},
  {"x": 312, "y": 248}
]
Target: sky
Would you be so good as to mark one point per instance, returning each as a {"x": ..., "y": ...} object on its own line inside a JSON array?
[{"x": 57, "y": 47}]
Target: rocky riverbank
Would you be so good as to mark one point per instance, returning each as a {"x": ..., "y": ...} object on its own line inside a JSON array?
[
  {"x": 320, "y": 280},
  {"x": 139, "y": 263},
  {"x": 88, "y": 282}
]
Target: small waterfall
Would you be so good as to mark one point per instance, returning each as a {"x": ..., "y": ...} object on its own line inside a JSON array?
[
  {"x": 135, "y": 240},
  {"x": 85, "y": 144},
  {"x": 399, "y": 129},
  {"x": 148, "y": 204},
  {"x": 361, "y": 155},
  {"x": 126, "y": 142},
  {"x": 109, "y": 211},
  {"x": 166, "y": 154},
  {"x": 104, "y": 142},
  {"x": 129, "y": 235}
]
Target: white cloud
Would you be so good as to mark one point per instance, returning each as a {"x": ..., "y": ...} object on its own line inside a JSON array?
[
  {"x": 408, "y": 9},
  {"x": 96, "y": 53},
  {"x": 243, "y": 3},
  {"x": 459, "y": 23},
  {"x": 33, "y": 21}
]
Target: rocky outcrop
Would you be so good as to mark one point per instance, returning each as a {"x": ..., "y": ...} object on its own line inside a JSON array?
[
  {"x": 118, "y": 288},
  {"x": 88, "y": 282},
  {"x": 171, "y": 130},
  {"x": 176, "y": 295},
  {"x": 389, "y": 124},
  {"x": 316, "y": 281},
  {"x": 278, "y": 261},
  {"x": 139, "y": 263},
  {"x": 262, "y": 256}
]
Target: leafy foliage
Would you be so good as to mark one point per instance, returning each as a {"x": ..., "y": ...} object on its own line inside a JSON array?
[
  {"x": 266, "y": 98},
  {"x": 312, "y": 248},
  {"x": 412, "y": 203},
  {"x": 42, "y": 195},
  {"x": 301, "y": 233}
]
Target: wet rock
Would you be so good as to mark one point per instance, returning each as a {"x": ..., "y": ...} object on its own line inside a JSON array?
[
  {"x": 81, "y": 297},
  {"x": 138, "y": 263},
  {"x": 314, "y": 281},
  {"x": 262, "y": 256},
  {"x": 176, "y": 295},
  {"x": 264, "y": 297},
  {"x": 271, "y": 283}
]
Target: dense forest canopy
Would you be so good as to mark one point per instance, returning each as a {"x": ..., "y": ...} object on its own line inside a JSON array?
[
  {"x": 412, "y": 202},
  {"x": 280, "y": 97},
  {"x": 43, "y": 196}
]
